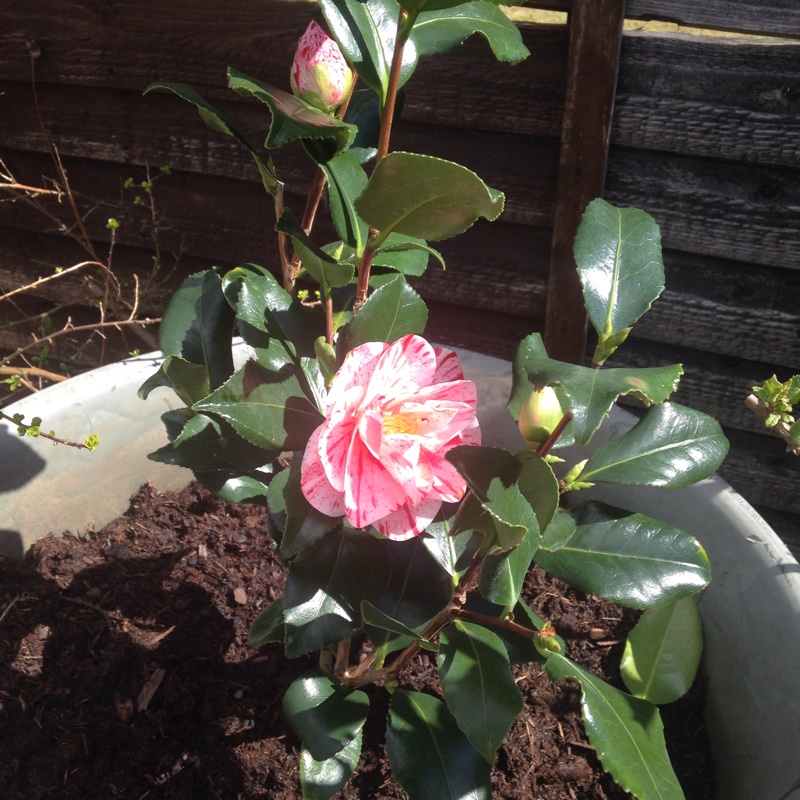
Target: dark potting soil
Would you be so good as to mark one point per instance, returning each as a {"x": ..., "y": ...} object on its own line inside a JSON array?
[{"x": 126, "y": 673}]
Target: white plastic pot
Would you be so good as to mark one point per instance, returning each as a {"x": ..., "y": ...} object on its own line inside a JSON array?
[{"x": 751, "y": 610}]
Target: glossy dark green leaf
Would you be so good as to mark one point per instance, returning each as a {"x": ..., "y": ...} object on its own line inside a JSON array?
[
  {"x": 503, "y": 574},
  {"x": 189, "y": 381},
  {"x": 267, "y": 408},
  {"x": 323, "y": 268},
  {"x": 618, "y": 253},
  {"x": 633, "y": 560},
  {"x": 377, "y": 620},
  {"x": 440, "y": 31},
  {"x": 267, "y": 626},
  {"x": 390, "y": 312},
  {"x": 326, "y": 585},
  {"x": 324, "y": 713},
  {"x": 406, "y": 254},
  {"x": 418, "y": 589},
  {"x": 323, "y": 779},
  {"x": 291, "y": 117},
  {"x": 419, "y": 6},
  {"x": 429, "y": 755},
  {"x": 627, "y": 734},
  {"x": 366, "y": 31},
  {"x": 426, "y": 197},
  {"x": 559, "y": 531},
  {"x": 478, "y": 686},
  {"x": 236, "y": 487},
  {"x": 304, "y": 525},
  {"x": 207, "y": 444},
  {"x": 662, "y": 652},
  {"x": 496, "y": 478},
  {"x": 198, "y": 326},
  {"x": 670, "y": 446},
  {"x": 217, "y": 122},
  {"x": 452, "y": 551},
  {"x": 278, "y": 327},
  {"x": 346, "y": 181},
  {"x": 591, "y": 392},
  {"x": 364, "y": 112}
]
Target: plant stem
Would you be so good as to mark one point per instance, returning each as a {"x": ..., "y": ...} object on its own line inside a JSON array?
[
  {"x": 495, "y": 622},
  {"x": 555, "y": 435},
  {"x": 762, "y": 411},
  {"x": 42, "y": 435},
  {"x": 405, "y": 22}
]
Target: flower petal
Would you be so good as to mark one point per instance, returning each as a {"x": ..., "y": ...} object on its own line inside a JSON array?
[
  {"x": 409, "y": 521},
  {"x": 314, "y": 482},
  {"x": 370, "y": 492},
  {"x": 448, "y": 367}
]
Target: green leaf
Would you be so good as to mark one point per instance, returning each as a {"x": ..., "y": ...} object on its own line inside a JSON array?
[
  {"x": 208, "y": 444},
  {"x": 267, "y": 408},
  {"x": 418, "y": 589},
  {"x": 217, "y": 122},
  {"x": 346, "y": 181},
  {"x": 325, "y": 714},
  {"x": 503, "y": 574},
  {"x": 478, "y": 686},
  {"x": 267, "y": 626},
  {"x": 794, "y": 434},
  {"x": 437, "y": 32},
  {"x": 430, "y": 757},
  {"x": 618, "y": 253},
  {"x": 496, "y": 478},
  {"x": 235, "y": 487},
  {"x": 326, "y": 585},
  {"x": 291, "y": 117},
  {"x": 406, "y": 254},
  {"x": 627, "y": 734},
  {"x": 591, "y": 392},
  {"x": 390, "y": 312},
  {"x": 324, "y": 269},
  {"x": 198, "y": 326},
  {"x": 375, "y": 618},
  {"x": 633, "y": 560},
  {"x": 559, "y": 531},
  {"x": 323, "y": 779},
  {"x": 277, "y": 326},
  {"x": 662, "y": 652},
  {"x": 304, "y": 525},
  {"x": 670, "y": 446},
  {"x": 366, "y": 33},
  {"x": 452, "y": 551},
  {"x": 189, "y": 381},
  {"x": 426, "y": 197}
]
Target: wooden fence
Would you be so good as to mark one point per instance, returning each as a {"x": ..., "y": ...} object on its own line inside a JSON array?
[{"x": 704, "y": 135}]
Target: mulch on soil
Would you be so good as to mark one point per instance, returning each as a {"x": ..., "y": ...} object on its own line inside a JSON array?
[{"x": 126, "y": 673}]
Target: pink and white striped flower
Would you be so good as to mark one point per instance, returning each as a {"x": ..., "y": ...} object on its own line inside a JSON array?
[{"x": 392, "y": 412}]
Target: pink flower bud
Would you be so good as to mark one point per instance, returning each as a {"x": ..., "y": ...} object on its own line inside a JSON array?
[{"x": 320, "y": 74}]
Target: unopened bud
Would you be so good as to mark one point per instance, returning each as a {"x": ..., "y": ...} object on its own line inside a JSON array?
[
  {"x": 539, "y": 416},
  {"x": 320, "y": 74}
]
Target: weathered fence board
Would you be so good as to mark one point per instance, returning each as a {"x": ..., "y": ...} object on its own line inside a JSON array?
[
  {"x": 717, "y": 208},
  {"x": 732, "y": 99},
  {"x": 776, "y": 17}
]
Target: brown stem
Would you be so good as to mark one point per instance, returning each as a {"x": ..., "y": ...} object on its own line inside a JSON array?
[
  {"x": 555, "y": 435},
  {"x": 328, "y": 306},
  {"x": 496, "y": 622}
]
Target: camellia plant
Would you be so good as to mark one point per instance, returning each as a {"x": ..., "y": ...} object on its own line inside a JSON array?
[{"x": 404, "y": 534}]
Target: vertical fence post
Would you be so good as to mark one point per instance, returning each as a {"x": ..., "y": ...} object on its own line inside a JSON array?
[{"x": 594, "y": 43}]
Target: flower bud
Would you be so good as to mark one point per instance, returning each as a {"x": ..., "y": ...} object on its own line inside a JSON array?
[
  {"x": 539, "y": 417},
  {"x": 320, "y": 74}
]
